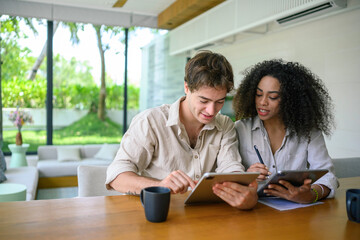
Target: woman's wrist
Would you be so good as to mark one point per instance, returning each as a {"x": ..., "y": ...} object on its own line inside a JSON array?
[
  {"x": 322, "y": 191},
  {"x": 315, "y": 194}
]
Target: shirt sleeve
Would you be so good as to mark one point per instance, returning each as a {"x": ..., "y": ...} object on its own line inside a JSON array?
[
  {"x": 136, "y": 150},
  {"x": 228, "y": 159},
  {"x": 318, "y": 158}
]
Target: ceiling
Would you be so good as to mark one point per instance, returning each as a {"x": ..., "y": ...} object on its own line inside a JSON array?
[
  {"x": 164, "y": 14},
  {"x": 147, "y": 7}
]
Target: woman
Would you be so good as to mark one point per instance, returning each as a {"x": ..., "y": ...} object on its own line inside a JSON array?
[{"x": 283, "y": 109}]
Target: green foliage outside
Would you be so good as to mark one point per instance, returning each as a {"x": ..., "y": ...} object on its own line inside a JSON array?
[
  {"x": 73, "y": 87},
  {"x": 73, "y": 84},
  {"x": 14, "y": 58},
  {"x": 32, "y": 94},
  {"x": 84, "y": 131}
]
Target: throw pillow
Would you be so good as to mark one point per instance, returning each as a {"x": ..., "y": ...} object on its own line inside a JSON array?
[
  {"x": 68, "y": 154},
  {"x": 107, "y": 152},
  {"x": 2, "y": 161},
  {"x": 2, "y": 176}
]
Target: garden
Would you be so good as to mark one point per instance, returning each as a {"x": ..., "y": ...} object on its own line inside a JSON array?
[{"x": 74, "y": 87}]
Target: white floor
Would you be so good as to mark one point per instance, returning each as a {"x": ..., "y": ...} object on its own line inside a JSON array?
[{"x": 56, "y": 193}]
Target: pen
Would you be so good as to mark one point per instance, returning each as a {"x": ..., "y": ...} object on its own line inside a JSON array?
[{"x": 258, "y": 154}]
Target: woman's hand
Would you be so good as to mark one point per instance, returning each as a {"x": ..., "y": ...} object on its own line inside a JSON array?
[
  {"x": 262, "y": 169},
  {"x": 237, "y": 195},
  {"x": 286, "y": 190}
]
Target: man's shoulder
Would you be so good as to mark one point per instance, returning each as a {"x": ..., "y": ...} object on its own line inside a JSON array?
[{"x": 156, "y": 113}]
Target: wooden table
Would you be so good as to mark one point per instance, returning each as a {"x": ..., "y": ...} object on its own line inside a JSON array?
[{"x": 122, "y": 217}]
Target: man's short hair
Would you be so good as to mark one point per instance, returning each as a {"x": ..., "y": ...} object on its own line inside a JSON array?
[{"x": 209, "y": 69}]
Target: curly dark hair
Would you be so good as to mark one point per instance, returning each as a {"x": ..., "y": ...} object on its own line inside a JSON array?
[
  {"x": 209, "y": 69},
  {"x": 305, "y": 103}
]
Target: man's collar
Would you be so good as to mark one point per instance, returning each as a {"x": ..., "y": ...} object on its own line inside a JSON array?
[
  {"x": 214, "y": 123},
  {"x": 174, "y": 117}
]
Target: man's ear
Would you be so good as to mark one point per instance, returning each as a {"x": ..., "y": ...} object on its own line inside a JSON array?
[{"x": 186, "y": 87}]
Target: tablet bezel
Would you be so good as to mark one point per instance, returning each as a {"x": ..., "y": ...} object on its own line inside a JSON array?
[
  {"x": 203, "y": 193},
  {"x": 295, "y": 177}
]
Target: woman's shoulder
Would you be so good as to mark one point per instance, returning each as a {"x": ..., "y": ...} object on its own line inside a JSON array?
[{"x": 245, "y": 124}]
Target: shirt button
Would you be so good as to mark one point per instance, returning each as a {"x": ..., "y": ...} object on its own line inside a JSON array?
[
  {"x": 197, "y": 176},
  {"x": 273, "y": 166},
  {"x": 196, "y": 156}
]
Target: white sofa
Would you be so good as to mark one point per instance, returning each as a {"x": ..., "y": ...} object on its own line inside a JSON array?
[
  {"x": 91, "y": 181},
  {"x": 27, "y": 176},
  {"x": 45, "y": 170},
  {"x": 347, "y": 167},
  {"x": 50, "y": 166},
  {"x": 56, "y": 172}
]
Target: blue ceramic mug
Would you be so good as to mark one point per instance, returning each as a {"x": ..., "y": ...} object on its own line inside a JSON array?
[
  {"x": 353, "y": 204},
  {"x": 156, "y": 202}
]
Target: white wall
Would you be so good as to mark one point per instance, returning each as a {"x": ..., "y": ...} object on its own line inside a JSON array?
[{"x": 330, "y": 47}]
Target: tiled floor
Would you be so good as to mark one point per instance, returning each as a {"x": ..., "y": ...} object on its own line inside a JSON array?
[{"x": 55, "y": 193}]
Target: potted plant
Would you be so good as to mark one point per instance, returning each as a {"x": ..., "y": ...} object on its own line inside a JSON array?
[{"x": 19, "y": 118}]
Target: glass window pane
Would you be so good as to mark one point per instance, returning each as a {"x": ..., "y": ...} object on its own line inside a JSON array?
[
  {"x": 80, "y": 69},
  {"x": 23, "y": 96},
  {"x": 83, "y": 66}
]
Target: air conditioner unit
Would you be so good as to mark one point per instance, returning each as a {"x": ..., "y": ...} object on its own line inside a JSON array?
[
  {"x": 326, "y": 7},
  {"x": 235, "y": 16}
]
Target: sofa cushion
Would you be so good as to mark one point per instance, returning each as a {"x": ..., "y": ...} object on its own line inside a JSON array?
[
  {"x": 51, "y": 168},
  {"x": 89, "y": 150},
  {"x": 68, "y": 154},
  {"x": 107, "y": 152},
  {"x": 50, "y": 151},
  {"x": 2, "y": 161},
  {"x": 46, "y": 152},
  {"x": 24, "y": 175},
  {"x": 48, "y": 165},
  {"x": 2, "y": 176}
]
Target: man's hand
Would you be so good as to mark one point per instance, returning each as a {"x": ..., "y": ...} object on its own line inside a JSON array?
[
  {"x": 262, "y": 169},
  {"x": 286, "y": 190},
  {"x": 237, "y": 195},
  {"x": 178, "y": 182}
]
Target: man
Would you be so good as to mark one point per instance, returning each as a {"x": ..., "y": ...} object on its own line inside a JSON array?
[{"x": 174, "y": 145}]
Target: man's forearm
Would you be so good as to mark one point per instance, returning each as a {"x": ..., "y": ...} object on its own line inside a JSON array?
[{"x": 131, "y": 183}]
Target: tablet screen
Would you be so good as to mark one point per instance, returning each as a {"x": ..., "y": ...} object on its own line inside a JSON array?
[
  {"x": 203, "y": 193},
  {"x": 295, "y": 177}
]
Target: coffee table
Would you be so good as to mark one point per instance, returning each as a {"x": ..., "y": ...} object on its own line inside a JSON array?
[
  {"x": 10, "y": 192},
  {"x": 18, "y": 158}
]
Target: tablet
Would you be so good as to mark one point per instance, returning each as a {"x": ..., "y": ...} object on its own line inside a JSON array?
[
  {"x": 203, "y": 193},
  {"x": 295, "y": 177}
]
